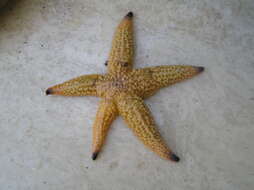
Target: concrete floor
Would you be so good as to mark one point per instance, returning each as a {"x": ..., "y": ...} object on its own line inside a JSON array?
[{"x": 208, "y": 121}]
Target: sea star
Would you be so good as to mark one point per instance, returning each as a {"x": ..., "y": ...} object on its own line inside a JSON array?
[{"x": 123, "y": 90}]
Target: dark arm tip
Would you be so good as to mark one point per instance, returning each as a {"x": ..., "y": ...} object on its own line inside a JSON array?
[
  {"x": 174, "y": 157},
  {"x": 201, "y": 69},
  {"x": 130, "y": 14},
  {"x": 48, "y": 91},
  {"x": 94, "y": 156}
]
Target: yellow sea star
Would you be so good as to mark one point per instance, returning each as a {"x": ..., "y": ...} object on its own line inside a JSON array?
[{"x": 123, "y": 89}]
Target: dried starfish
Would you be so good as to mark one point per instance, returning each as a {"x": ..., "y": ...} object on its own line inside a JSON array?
[{"x": 123, "y": 89}]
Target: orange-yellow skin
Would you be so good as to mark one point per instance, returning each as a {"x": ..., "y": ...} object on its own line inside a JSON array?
[{"x": 123, "y": 89}]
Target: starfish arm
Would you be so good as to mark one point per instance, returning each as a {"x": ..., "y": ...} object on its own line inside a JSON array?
[
  {"x": 139, "y": 119},
  {"x": 81, "y": 86},
  {"x": 106, "y": 114},
  {"x": 122, "y": 50},
  {"x": 152, "y": 79}
]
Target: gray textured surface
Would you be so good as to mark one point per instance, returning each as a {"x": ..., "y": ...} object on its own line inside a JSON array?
[{"x": 45, "y": 141}]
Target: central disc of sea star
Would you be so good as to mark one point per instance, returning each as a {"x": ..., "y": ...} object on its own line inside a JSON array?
[{"x": 122, "y": 91}]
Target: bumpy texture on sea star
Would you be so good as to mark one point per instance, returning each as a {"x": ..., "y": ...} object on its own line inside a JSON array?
[{"x": 123, "y": 89}]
